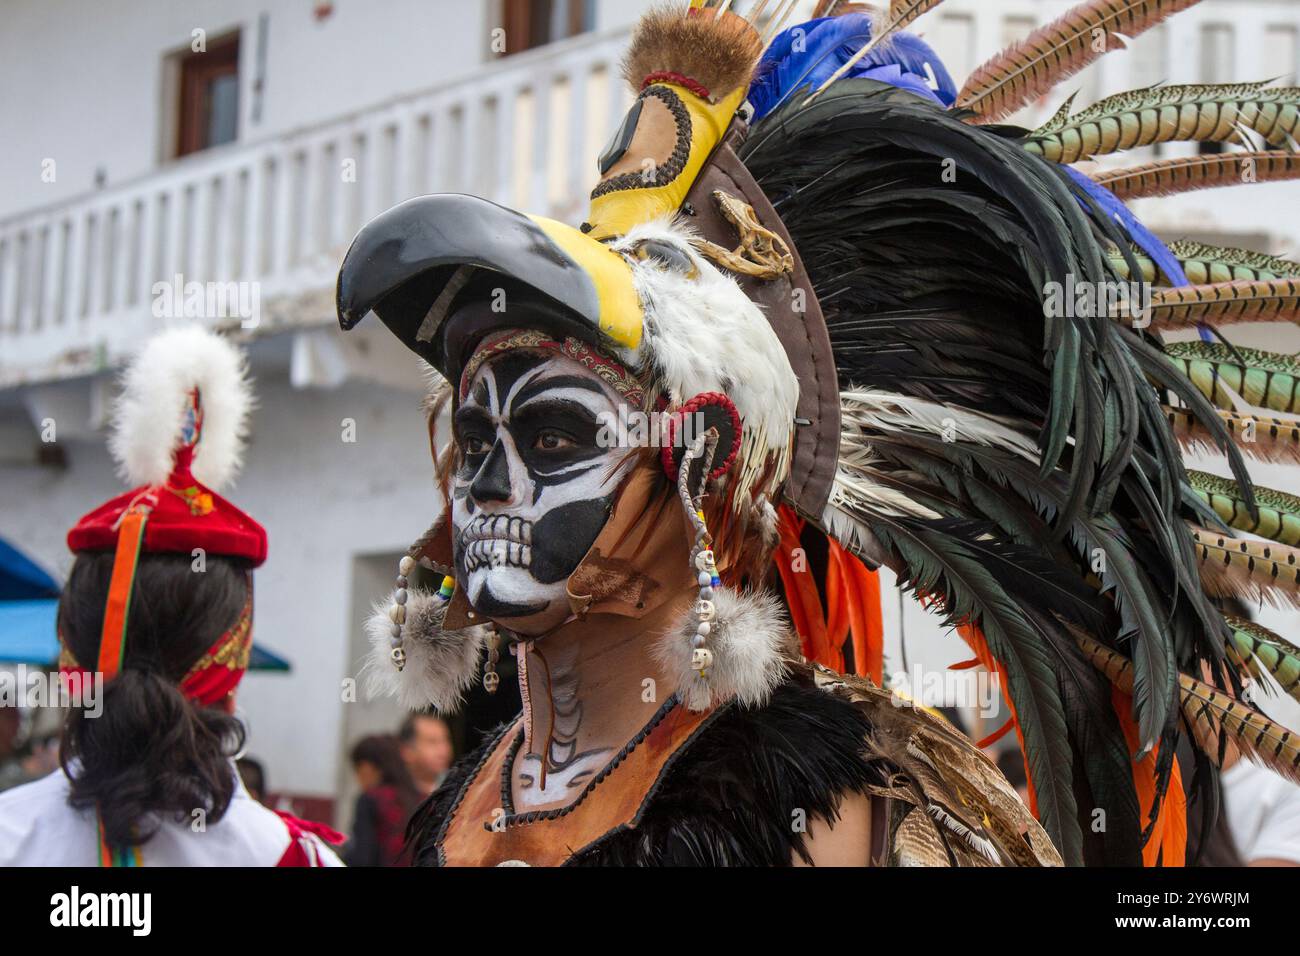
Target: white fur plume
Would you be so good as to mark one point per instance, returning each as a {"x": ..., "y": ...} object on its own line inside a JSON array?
[
  {"x": 440, "y": 665},
  {"x": 150, "y": 414},
  {"x": 749, "y": 641}
]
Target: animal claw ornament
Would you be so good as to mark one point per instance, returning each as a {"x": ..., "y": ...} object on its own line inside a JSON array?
[
  {"x": 491, "y": 680},
  {"x": 762, "y": 253}
]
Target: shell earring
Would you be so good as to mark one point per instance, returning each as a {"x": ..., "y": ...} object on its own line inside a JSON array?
[{"x": 702, "y": 560}]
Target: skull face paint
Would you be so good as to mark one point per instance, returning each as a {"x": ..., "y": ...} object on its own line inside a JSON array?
[{"x": 534, "y": 487}]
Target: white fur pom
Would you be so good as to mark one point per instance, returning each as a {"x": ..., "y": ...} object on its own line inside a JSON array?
[
  {"x": 749, "y": 642},
  {"x": 440, "y": 665},
  {"x": 155, "y": 392}
]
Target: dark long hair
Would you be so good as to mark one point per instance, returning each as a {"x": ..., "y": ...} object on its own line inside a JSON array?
[
  {"x": 152, "y": 754},
  {"x": 385, "y": 753}
]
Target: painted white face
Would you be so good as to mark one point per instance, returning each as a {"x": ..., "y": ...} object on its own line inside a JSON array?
[{"x": 535, "y": 485}]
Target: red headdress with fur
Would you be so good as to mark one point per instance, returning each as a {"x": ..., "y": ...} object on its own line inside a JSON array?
[{"x": 178, "y": 433}]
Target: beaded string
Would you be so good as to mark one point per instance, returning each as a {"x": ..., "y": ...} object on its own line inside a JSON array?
[
  {"x": 397, "y": 613},
  {"x": 701, "y": 550}
]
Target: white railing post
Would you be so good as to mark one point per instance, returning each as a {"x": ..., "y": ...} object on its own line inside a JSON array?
[
  {"x": 54, "y": 266},
  {"x": 250, "y": 253},
  {"x": 472, "y": 112},
  {"x": 503, "y": 143},
  {"x": 152, "y": 224}
]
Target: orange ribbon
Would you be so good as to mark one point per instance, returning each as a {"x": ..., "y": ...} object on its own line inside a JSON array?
[{"x": 112, "y": 641}]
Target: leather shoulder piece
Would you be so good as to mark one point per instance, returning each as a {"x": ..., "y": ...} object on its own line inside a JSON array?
[{"x": 949, "y": 805}]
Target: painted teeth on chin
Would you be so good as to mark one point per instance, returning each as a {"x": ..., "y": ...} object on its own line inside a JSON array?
[
  {"x": 501, "y": 528},
  {"x": 493, "y": 553}
]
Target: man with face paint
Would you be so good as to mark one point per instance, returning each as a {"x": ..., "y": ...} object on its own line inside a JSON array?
[
  {"x": 534, "y": 485},
  {"x": 538, "y": 464},
  {"x": 685, "y": 434}
]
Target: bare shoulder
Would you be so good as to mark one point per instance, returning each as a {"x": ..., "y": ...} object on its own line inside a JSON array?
[{"x": 844, "y": 842}]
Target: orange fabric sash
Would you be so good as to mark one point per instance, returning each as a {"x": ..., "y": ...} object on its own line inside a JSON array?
[{"x": 112, "y": 640}]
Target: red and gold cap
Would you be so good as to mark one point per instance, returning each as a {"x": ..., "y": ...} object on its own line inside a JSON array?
[{"x": 178, "y": 433}]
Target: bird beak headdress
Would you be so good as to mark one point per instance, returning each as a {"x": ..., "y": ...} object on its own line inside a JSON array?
[
  {"x": 644, "y": 278},
  {"x": 820, "y": 226}
]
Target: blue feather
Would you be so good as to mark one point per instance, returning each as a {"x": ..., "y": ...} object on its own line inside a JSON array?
[
  {"x": 805, "y": 56},
  {"x": 1142, "y": 237}
]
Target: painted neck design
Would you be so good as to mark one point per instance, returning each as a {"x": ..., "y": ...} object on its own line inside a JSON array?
[{"x": 588, "y": 688}]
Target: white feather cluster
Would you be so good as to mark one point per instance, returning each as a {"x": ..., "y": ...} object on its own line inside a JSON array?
[
  {"x": 703, "y": 334},
  {"x": 867, "y": 409},
  {"x": 150, "y": 413},
  {"x": 441, "y": 665},
  {"x": 749, "y": 641}
]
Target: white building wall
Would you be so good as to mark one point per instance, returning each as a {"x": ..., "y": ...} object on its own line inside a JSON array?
[{"x": 90, "y": 79}]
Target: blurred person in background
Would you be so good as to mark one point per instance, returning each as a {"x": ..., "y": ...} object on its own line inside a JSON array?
[
  {"x": 427, "y": 750},
  {"x": 43, "y": 755},
  {"x": 388, "y": 798},
  {"x": 155, "y": 627},
  {"x": 254, "y": 776},
  {"x": 13, "y": 769}
]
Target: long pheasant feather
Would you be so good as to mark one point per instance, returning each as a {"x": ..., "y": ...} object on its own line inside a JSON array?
[
  {"x": 1030, "y": 68},
  {"x": 1205, "y": 265},
  {"x": 1277, "y": 512},
  {"x": 1257, "y": 436},
  {"x": 1248, "y": 570},
  {"x": 1168, "y": 177},
  {"x": 1162, "y": 114},
  {"x": 901, "y": 13},
  {"x": 1262, "y": 379},
  {"x": 1225, "y": 303},
  {"x": 1211, "y": 714},
  {"x": 1264, "y": 652}
]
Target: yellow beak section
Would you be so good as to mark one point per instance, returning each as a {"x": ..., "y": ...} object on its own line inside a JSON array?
[
  {"x": 621, "y": 316},
  {"x": 614, "y": 213}
]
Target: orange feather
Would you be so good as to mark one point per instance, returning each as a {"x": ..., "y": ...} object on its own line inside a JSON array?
[{"x": 1168, "y": 843}]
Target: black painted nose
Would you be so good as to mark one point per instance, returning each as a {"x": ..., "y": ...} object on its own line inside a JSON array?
[{"x": 492, "y": 483}]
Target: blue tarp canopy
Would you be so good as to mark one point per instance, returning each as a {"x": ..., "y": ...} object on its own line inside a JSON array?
[
  {"x": 28, "y": 611},
  {"x": 27, "y": 632},
  {"x": 21, "y": 579}
]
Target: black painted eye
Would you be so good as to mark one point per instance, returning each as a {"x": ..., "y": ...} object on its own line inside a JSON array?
[
  {"x": 475, "y": 446},
  {"x": 667, "y": 255},
  {"x": 553, "y": 441},
  {"x": 622, "y": 139}
]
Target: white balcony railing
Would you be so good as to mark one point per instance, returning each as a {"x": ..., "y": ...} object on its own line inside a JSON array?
[{"x": 77, "y": 280}]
